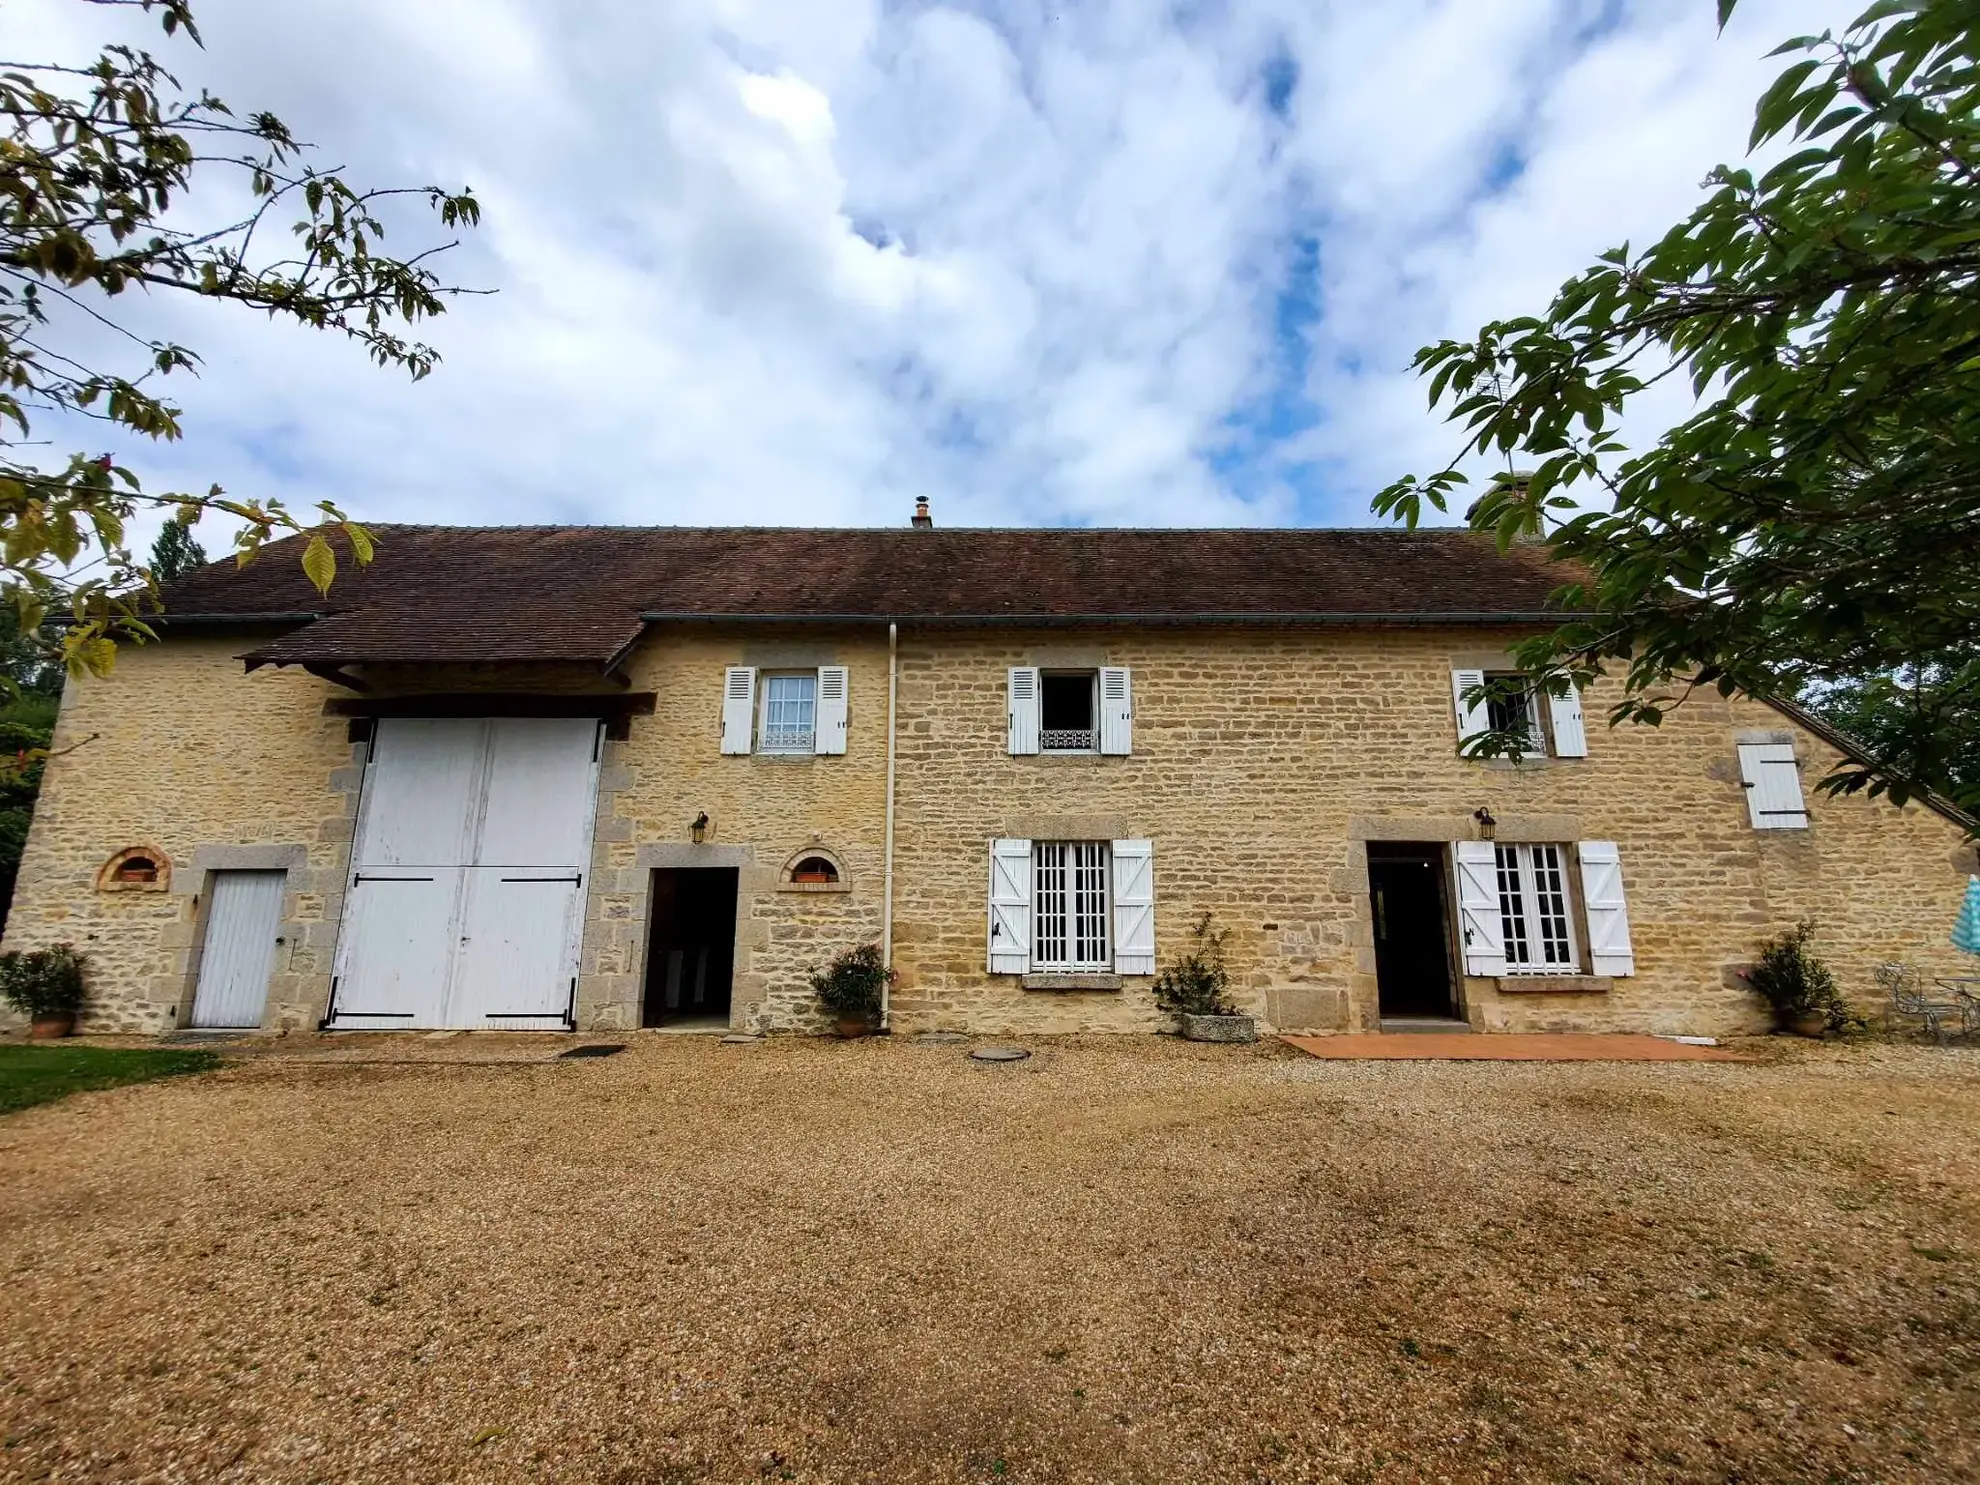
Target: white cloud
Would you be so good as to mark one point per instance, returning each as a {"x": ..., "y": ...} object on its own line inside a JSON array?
[{"x": 802, "y": 260}]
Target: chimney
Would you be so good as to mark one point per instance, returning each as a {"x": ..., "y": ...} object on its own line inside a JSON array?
[{"x": 922, "y": 520}]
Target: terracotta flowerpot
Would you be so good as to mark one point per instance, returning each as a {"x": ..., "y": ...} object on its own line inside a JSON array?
[
  {"x": 52, "y": 1024},
  {"x": 1815, "y": 1024},
  {"x": 851, "y": 1026}
]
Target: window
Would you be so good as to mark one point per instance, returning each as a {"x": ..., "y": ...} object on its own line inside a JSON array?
[
  {"x": 1552, "y": 724},
  {"x": 790, "y": 704},
  {"x": 1533, "y": 911},
  {"x": 814, "y": 871},
  {"x": 1067, "y": 706},
  {"x": 1069, "y": 906},
  {"x": 788, "y": 712},
  {"x": 1516, "y": 712}
]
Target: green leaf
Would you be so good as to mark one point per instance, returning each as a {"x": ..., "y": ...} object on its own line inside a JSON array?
[{"x": 319, "y": 563}]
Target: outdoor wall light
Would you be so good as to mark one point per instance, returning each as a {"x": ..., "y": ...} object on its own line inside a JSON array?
[
  {"x": 1488, "y": 827},
  {"x": 699, "y": 829}
]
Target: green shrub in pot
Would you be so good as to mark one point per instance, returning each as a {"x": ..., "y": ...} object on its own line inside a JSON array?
[{"x": 43, "y": 983}]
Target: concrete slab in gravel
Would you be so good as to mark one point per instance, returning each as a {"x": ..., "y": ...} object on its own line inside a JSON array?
[{"x": 1509, "y": 1047}]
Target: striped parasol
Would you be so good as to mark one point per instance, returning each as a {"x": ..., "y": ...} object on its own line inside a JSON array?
[{"x": 1966, "y": 932}]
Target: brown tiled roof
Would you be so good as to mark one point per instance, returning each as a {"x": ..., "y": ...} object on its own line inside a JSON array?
[{"x": 583, "y": 593}]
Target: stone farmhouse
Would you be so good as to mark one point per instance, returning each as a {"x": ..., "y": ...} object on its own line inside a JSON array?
[{"x": 602, "y": 778}]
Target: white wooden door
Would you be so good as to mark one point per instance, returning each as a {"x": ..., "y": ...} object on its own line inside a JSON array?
[
  {"x": 467, "y": 890},
  {"x": 243, "y": 915},
  {"x": 518, "y": 949},
  {"x": 396, "y": 950}
]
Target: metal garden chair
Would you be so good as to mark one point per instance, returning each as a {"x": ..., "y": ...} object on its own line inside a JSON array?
[{"x": 1910, "y": 1003}]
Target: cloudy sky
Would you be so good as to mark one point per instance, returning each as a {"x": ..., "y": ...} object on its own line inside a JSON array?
[{"x": 1116, "y": 262}]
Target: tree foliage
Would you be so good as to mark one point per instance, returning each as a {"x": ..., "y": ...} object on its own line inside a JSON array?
[
  {"x": 175, "y": 553},
  {"x": 95, "y": 168},
  {"x": 1816, "y": 522}
]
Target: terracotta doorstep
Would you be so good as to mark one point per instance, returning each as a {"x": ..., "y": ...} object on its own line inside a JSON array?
[{"x": 1510, "y": 1047}]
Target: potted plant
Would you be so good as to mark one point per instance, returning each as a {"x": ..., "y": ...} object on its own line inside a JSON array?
[
  {"x": 849, "y": 987},
  {"x": 1797, "y": 985},
  {"x": 45, "y": 985},
  {"x": 1195, "y": 988}
]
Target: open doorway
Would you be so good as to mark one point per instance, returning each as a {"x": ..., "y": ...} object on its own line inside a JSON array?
[
  {"x": 1410, "y": 902},
  {"x": 691, "y": 946}
]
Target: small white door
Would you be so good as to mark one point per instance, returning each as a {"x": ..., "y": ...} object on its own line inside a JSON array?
[{"x": 243, "y": 915}]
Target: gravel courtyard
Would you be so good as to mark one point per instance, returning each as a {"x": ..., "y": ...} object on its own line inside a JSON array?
[{"x": 1124, "y": 1260}]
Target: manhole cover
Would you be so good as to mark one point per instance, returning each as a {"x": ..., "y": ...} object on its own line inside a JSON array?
[
  {"x": 594, "y": 1049},
  {"x": 999, "y": 1054}
]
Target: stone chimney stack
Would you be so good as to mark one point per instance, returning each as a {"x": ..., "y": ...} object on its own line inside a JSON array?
[{"x": 922, "y": 520}]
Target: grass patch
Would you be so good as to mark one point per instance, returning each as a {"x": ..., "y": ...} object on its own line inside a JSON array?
[{"x": 30, "y": 1075}]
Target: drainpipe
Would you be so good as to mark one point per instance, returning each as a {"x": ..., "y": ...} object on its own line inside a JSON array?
[{"x": 887, "y": 887}]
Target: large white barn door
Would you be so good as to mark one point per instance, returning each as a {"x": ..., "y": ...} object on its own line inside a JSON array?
[{"x": 467, "y": 892}]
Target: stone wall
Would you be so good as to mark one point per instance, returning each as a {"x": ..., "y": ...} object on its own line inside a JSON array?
[
  {"x": 1262, "y": 766},
  {"x": 180, "y": 750}
]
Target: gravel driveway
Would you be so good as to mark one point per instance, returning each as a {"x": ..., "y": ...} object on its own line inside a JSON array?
[{"x": 1124, "y": 1260}]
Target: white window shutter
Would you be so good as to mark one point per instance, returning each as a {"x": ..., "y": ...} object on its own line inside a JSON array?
[
  {"x": 1570, "y": 731},
  {"x": 829, "y": 715},
  {"x": 1116, "y": 711},
  {"x": 1479, "y": 924},
  {"x": 1608, "y": 917},
  {"x": 1025, "y": 710},
  {"x": 738, "y": 708},
  {"x": 1010, "y": 907},
  {"x": 1134, "y": 907},
  {"x": 1471, "y": 716},
  {"x": 1773, "y": 786}
]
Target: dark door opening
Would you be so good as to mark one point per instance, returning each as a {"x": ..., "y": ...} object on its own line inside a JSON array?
[
  {"x": 691, "y": 945},
  {"x": 1412, "y": 929}
]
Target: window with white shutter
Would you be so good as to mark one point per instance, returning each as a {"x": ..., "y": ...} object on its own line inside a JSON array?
[
  {"x": 1480, "y": 924},
  {"x": 738, "y": 709},
  {"x": 1022, "y": 698},
  {"x": 1609, "y": 952},
  {"x": 790, "y": 713},
  {"x": 1070, "y": 927},
  {"x": 1773, "y": 786},
  {"x": 1116, "y": 711},
  {"x": 831, "y": 720},
  {"x": 1536, "y": 924},
  {"x": 1519, "y": 710},
  {"x": 1010, "y": 907},
  {"x": 1134, "y": 907}
]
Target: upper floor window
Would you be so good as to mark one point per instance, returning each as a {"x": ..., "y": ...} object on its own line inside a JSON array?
[
  {"x": 1551, "y": 724},
  {"x": 1070, "y": 711},
  {"x": 790, "y": 712},
  {"x": 1066, "y": 708}
]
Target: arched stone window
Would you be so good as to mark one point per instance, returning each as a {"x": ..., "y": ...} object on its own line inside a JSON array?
[
  {"x": 136, "y": 869},
  {"x": 816, "y": 868}
]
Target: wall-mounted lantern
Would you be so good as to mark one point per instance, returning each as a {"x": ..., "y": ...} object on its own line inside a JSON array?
[
  {"x": 1488, "y": 827},
  {"x": 698, "y": 831}
]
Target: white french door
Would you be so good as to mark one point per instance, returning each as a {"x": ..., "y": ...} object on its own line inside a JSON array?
[{"x": 466, "y": 900}]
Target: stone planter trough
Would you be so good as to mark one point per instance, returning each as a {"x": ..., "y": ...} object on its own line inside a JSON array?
[{"x": 1219, "y": 1029}]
